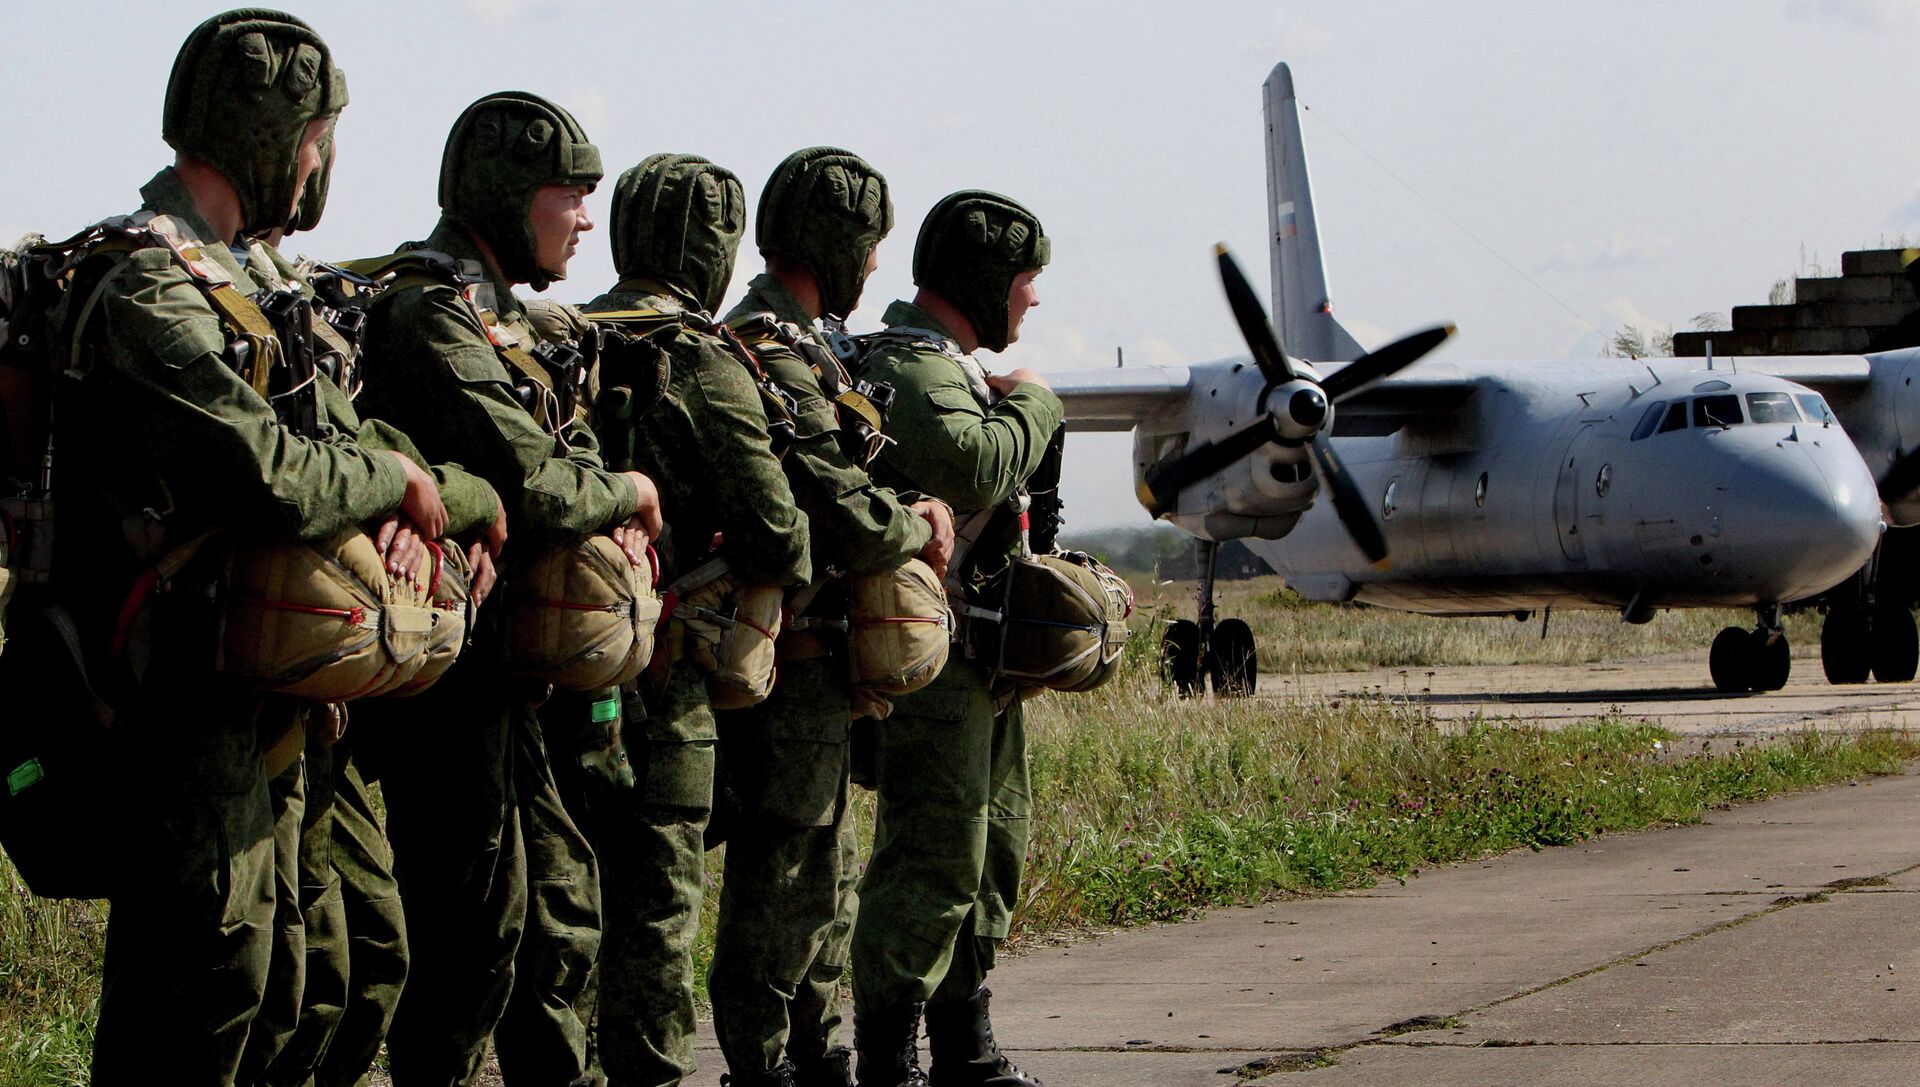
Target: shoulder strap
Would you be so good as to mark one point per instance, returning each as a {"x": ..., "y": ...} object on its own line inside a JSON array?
[{"x": 242, "y": 317}]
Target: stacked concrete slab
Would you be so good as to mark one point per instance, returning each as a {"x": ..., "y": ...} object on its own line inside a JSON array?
[{"x": 1867, "y": 307}]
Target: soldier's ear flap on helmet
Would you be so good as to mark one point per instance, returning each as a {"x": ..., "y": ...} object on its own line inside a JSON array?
[{"x": 242, "y": 90}]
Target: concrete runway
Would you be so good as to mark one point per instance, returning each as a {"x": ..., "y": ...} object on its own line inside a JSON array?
[
  {"x": 1672, "y": 691},
  {"x": 1776, "y": 943}
]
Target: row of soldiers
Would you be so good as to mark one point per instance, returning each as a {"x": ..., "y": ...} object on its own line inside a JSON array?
[{"x": 539, "y": 877}]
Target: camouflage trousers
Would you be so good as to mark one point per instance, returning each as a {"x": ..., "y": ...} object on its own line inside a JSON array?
[
  {"x": 485, "y": 854},
  {"x": 375, "y": 924},
  {"x": 649, "y": 839},
  {"x": 787, "y": 900},
  {"x": 949, "y": 844},
  {"x": 287, "y": 796},
  {"x": 350, "y": 931},
  {"x": 190, "y": 934}
]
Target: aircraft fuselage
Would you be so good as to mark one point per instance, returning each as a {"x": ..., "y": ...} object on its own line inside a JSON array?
[{"x": 1606, "y": 483}]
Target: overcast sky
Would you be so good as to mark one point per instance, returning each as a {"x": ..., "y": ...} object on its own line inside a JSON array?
[{"x": 1538, "y": 172}]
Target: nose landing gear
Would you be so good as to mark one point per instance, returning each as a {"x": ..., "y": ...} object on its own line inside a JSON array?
[
  {"x": 1752, "y": 660},
  {"x": 1192, "y": 653}
]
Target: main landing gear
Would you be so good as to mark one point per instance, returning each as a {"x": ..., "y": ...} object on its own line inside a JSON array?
[
  {"x": 1192, "y": 653},
  {"x": 1867, "y": 632},
  {"x": 1752, "y": 660}
]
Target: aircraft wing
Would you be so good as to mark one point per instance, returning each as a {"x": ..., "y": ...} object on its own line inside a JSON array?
[{"x": 1121, "y": 399}]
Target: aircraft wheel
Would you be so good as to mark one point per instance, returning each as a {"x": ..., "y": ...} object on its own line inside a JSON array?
[
  {"x": 1843, "y": 646},
  {"x": 1896, "y": 645},
  {"x": 1772, "y": 662},
  {"x": 1232, "y": 661},
  {"x": 1730, "y": 661},
  {"x": 1180, "y": 656}
]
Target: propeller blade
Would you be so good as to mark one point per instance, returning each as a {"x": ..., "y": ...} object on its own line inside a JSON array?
[
  {"x": 1386, "y": 362},
  {"x": 1252, "y": 318},
  {"x": 1167, "y": 479},
  {"x": 1352, "y": 507},
  {"x": 1902, "y": 479}
]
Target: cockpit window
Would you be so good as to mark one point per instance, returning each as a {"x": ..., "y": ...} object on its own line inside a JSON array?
[
  {"x": 1676, "y": 417},
  {"x": 1649, "y": 420},
  {"x": 1717, "y": 411},
  {"x": 1816, "y": 408},
  {"x": 1771, "y": 408}
]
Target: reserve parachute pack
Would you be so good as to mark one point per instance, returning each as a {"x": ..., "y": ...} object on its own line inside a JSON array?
[
  {"x": 579, "y": 616},
  {"x": 1051, "y": 618},
  {"x": 726, "y": 629}
]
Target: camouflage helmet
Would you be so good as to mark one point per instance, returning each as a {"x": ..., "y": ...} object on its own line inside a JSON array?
[
  {"x": 826, "y": 208},
  {"x": 971, "y": 247},
  {"x": 679, "y": 218},
  {"x": 243, "y": 89},
  {"x": 313, "y": 198},
  {"x": 503, "y": 149}
]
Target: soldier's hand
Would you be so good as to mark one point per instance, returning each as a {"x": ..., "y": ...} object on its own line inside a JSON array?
[
  {"x": 648, "y": 512},
  {"x": 421, "y": 504},
  {"x": 939, "y": 549},
  {"x": 632, "y": 538},
  {"x": 1002, "y": 384},
  {"x": 402, "y": 544},
  {"x": 484, "y": 572}
]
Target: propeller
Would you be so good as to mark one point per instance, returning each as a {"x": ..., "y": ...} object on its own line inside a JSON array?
[{"x": 1295, "y": 409}]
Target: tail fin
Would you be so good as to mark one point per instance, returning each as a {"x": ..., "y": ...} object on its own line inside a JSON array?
[{"x": 1302, "y": 307}]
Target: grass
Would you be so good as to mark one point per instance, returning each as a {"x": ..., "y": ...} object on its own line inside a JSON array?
[
  {"x": 49, "y": 984},
  {"x": 1150, "y": 808}
]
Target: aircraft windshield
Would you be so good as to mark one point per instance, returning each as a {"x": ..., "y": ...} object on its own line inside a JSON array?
[
  {"x": 1649, "y": 419},
  {"x": 1771, "y": 408},
  {"x": 1721, "y": 411},
  {"x": 1815, "y": 407},
  {"x": 1676, "y": 417}
]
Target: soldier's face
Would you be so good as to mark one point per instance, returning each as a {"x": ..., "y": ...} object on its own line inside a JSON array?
[
  {"x": 1021, "y": 297},
  {"x": 558, "y": 216},
  {"x": 873, "y": 262},
  {"x": 311, "y": 158}
]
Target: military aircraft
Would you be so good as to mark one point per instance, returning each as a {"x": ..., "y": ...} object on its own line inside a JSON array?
[{"x": 1506, "y": 488}]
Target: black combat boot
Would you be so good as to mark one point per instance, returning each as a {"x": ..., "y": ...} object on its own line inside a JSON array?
[
  {"x": 780, "y": 1075},
  {"x": 888, "y": 1045},
  {"x": 961, "y": 1048},
  {"x": 833, "y": 1069}
]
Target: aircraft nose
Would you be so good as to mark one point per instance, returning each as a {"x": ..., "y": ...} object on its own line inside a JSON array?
[{"x": 1801, "y": 520}]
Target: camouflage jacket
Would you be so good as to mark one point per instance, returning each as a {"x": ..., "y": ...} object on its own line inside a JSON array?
[
  {"x": 163, "y": 440},
  {"x": 705, "y": 445},
  {"x": 470, "y": 501},
  {"x": 949, "y": 444},
  {"x": 434, "y": 373},
  {"x": 854, "y": 526}
]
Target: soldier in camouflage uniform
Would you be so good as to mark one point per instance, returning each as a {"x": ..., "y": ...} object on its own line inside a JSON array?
[
  {"x": 249, "y": 102},
  {"x": 483, "y": 848},
  {"x": 787, "y": 902},
  {"x": 677, "y": 221},
  {"x": 954, "y": 802},
  {"x": 348, "y": 910}
]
